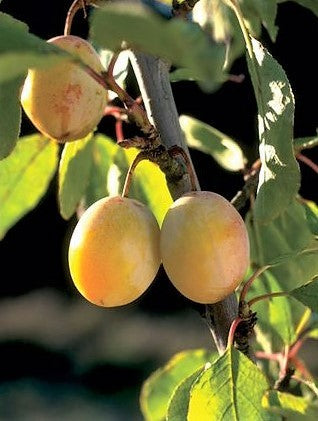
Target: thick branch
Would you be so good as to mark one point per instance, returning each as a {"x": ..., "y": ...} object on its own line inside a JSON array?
[{"x": 153, "y": 79}]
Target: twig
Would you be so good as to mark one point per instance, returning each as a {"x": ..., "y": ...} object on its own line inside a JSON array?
[{"x": 307, "y": 161}]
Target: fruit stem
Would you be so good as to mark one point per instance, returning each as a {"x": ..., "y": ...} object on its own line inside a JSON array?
[
  {"x": 140, "y": 157},
  {"x": 75, "y": 6},
  {"x": 267, "y": 296}
]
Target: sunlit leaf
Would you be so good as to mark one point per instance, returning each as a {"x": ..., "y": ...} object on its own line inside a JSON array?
[
  {"x": 311, "y": 210},
  {"x": 307, "y": 294},
  {"x": 151, "y": 188},
  {"x": 10, "y": 115},
  {"x": 24, "y": 178},
  {"x": 288, "y": 242},
  {"x": 148, "y": 184},
  {"x": 182, "y": 43},
  {"x": 207, "y": 139},
  {"x": 20, "y": 50},
  {"x": 74, "y": 170},
  {"x": 231, "y": 389},
  {"x": 102, "y": 156},
  {"x": 279, "y": 178},
  {"x": 288, "y": 405},
  {"x": 179, "y": 403},
  {"x": 158, "y": 388},
  {"x": 274, "y": 315},
  {"x": 264, "y": 11}
]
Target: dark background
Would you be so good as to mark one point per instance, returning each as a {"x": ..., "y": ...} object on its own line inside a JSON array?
[{"x": 63, "y": 358}]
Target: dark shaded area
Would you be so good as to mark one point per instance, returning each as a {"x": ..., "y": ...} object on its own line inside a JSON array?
[{"x": 38, "y": 373}]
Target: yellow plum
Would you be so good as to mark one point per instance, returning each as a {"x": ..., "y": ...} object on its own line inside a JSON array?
[
  {"x": 114, "y": 251},
  {"x": 63, "y": 101},
  {"x": 204, "y": 246}
]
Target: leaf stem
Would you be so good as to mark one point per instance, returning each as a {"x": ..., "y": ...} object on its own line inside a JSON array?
[
  {"x": 237, "y": 10},
  {"x": 249, "y": 282},
  {"x": 234, "y": 325},
  {"x": 307, "y": 161},
  {"x": 267, "y": 296}
]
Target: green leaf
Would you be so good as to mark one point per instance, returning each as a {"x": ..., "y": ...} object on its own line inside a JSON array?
[
  {"x": 274, "y": 315},
  {"x": 288, "y": 405},
  {"x": 157, "y": 390},
  {"x": 104, "y": 150},
  {"x": 178, "y": 406},
  {"x": 288, "y": 242},
  {"x": 301, "y": 143},
  {"x": 231, "y": 389},
  {"x": 25, "y": 176},
  {"x": 182, "y": 43},
  {"x": 287, "y": 234},
  {"x": 260, "y": 11},
  {"x": 307, "y": 294},
  {"x": 20, "y": 50},
  {"x": 309, "y": 4},
  {"x": 311, "y": 210},
  {"x": 209, "y": 140},
  {"x": 74, "y": 169},
  {"x": 10, "y": 116},
  {"x": 279, "y": 178},
  {"x": 183, "y": 74},
  {"x": 219, "y": 21}
]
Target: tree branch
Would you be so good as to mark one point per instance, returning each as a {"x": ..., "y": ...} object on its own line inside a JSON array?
[{"x": 153, "y": 79}]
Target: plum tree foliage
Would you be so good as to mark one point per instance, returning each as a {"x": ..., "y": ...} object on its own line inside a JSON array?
[{"x": 250, "y": 262}]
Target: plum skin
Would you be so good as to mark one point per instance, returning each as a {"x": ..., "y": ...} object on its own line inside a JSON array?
[
  {"x": 63, "y": 102},
  {"x": 114, "y": 251},
  {"x": 204, "y": 246}
]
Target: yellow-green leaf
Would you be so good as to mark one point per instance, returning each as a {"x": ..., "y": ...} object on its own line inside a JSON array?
[
  {"x": 74, "y": 170},
  {"x": 207, "y": 139},
  {"x": 158, "y": 388},
  {"x": 24, "y": 178}
]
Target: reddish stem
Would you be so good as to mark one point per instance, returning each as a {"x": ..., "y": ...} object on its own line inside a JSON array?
[
  {"x": 119, "y": 130},
  {"x": 230, "y": 339},
  {"x": 249, "y": 282},
  {"x": 267, "y": 296},
  {"x": 295, "y": 348},
  {"x": 277, "y": 356},
  {"x": 307, "y": 161},
  {"x": 236, "y": 78},
  {"x": 300, "y": 366}
]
